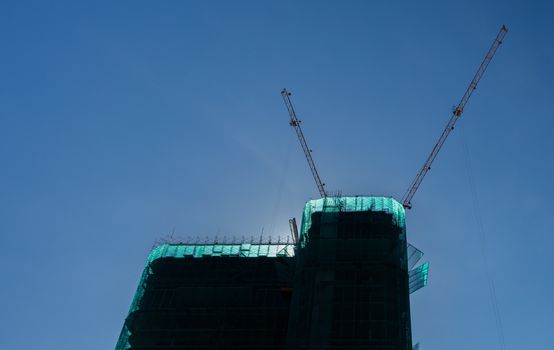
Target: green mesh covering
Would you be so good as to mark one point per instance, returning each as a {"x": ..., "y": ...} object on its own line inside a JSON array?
[
  {"x": 418, "y": 277},
  {"x": 351, "y": 203},
  {"x": 243, "y": 250}
]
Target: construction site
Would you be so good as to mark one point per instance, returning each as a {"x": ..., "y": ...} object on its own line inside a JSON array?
[{"x": 342, "y": 279}]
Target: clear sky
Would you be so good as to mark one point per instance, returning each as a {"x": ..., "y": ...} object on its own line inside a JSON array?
[{"x": 122, "y": 122}]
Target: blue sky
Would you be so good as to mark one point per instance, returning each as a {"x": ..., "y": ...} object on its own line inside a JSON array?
[{"x": 122, "y": 122}]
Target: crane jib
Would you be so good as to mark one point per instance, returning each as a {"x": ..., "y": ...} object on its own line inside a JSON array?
[
  {"x": 295, "y": 123},
  {"x": 408, "y": 196}
]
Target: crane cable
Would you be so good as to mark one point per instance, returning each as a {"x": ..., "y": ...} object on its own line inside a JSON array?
[{"x": 482, "y": 241}]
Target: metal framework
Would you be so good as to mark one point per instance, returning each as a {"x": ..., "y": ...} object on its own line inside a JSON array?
[
  {"x": 456, "y": 114},
  {"x": 295, "y": 123},
  {"x": 293, "y": 230}
]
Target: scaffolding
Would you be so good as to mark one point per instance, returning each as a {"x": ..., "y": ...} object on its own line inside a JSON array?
[
  {"x": 351, "y": 203},
  {"x": 354, "y": 273},
  {"x": 157, "y": 296},
  {"x": 344, "y": 284}
]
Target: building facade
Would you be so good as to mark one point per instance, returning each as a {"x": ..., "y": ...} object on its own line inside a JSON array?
[{"x": 344, "y": 285}]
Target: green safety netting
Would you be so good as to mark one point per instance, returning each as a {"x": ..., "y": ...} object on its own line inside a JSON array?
[
  {"x": 418, "y": 277},
  {"x": 240, "y": 250},
  {"x": 244, "y": 250},
  {"x": 351, "y": 203}
]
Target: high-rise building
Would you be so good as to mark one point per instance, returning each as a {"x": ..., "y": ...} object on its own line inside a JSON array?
[{"x": 344, "y": 285}]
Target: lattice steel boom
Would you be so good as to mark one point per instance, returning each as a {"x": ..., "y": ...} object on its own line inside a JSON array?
[
  {"x": 295, "y": 123},
  {"x": 456, "y": 114}
]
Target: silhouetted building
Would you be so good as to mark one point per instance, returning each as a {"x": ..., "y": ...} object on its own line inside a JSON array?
[{"x": 344, "y": 285}]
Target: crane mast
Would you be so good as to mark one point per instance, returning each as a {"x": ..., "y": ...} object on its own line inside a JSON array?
[
  {"x": 456, "y": 114},
  {"x": 295, "y": 123}
]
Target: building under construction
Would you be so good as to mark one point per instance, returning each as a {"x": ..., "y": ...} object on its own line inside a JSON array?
[{"x": 343, "y": 284}]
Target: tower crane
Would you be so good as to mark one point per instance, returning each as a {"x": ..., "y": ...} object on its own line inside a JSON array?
[
  {"x": 295, "y": 123},
  {"x": 456, "y": 114}
]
